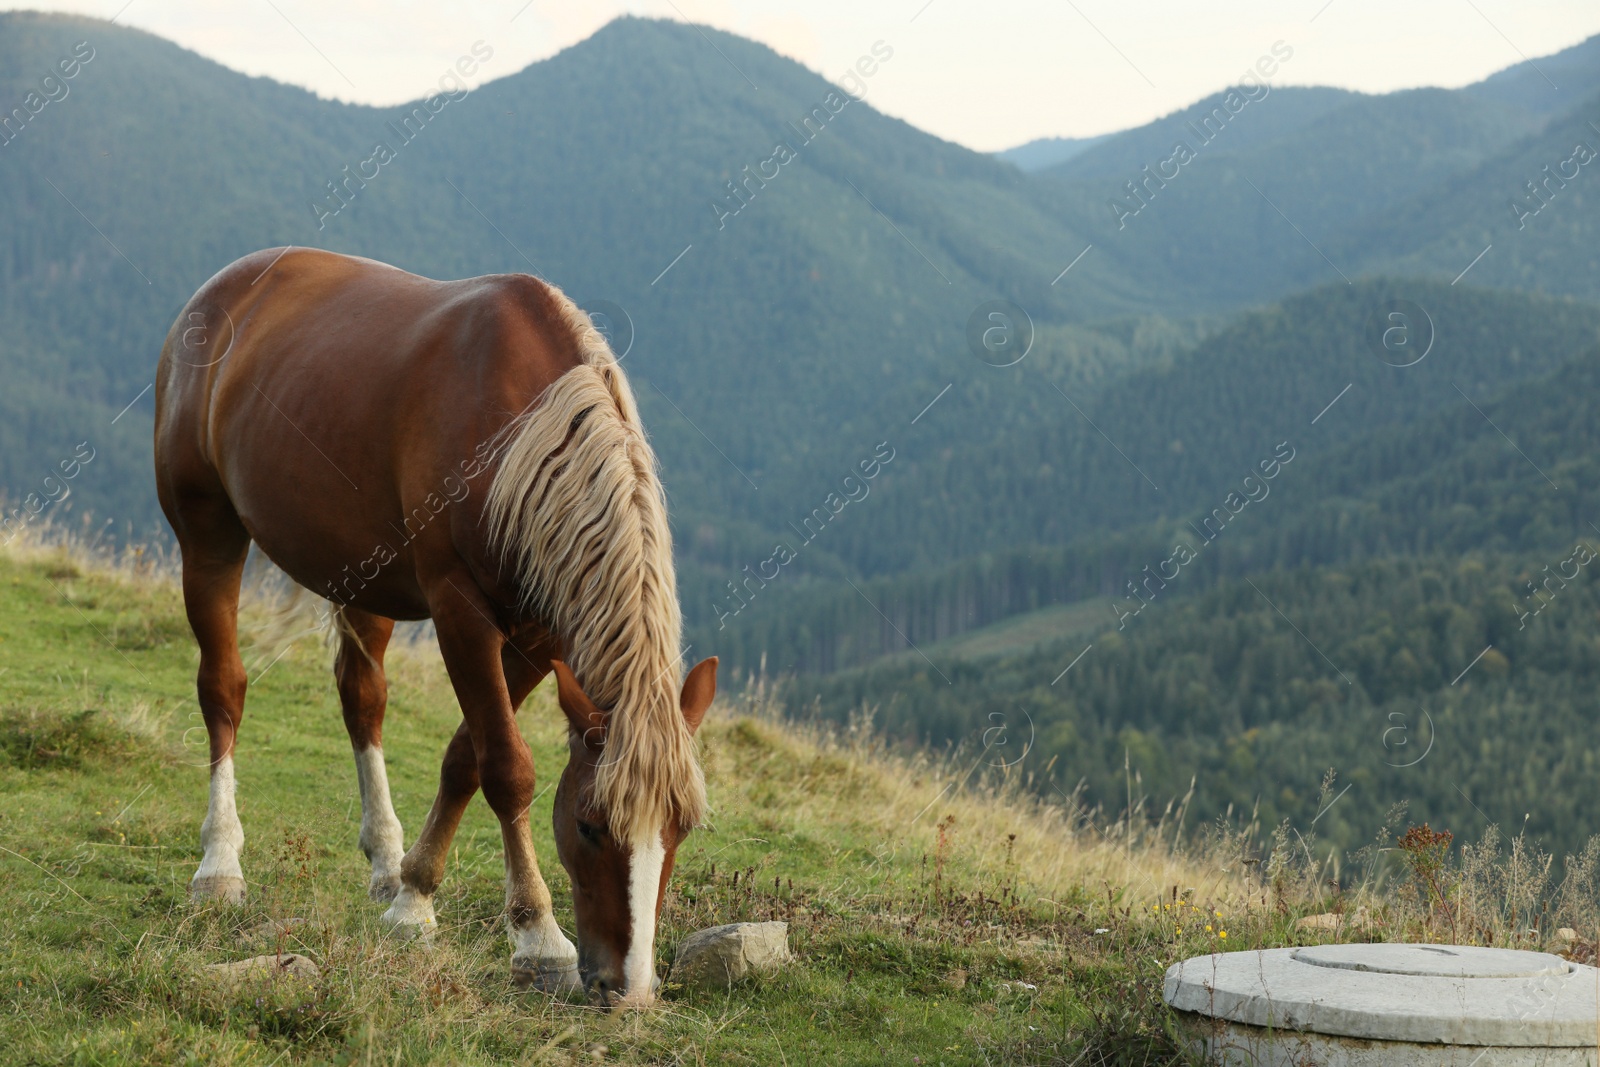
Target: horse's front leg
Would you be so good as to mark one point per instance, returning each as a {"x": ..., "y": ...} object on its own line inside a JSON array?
[
  {"x": 541, "y": 955},
  {"x": 422, "y": 868},
  {"x": 502, "y": 767}
]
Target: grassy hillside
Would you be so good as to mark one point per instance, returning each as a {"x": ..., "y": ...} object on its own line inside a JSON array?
[
  {"x": 924, "y": 905},
  {"x": 937, "y": 912}
]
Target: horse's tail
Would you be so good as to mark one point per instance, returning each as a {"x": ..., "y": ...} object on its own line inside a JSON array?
[
  {"x": 577, "y": 508},
  {"x": 282, "y": 613}
]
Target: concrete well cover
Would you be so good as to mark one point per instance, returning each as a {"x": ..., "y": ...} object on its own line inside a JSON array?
[{"x": 1432, "y": 994}]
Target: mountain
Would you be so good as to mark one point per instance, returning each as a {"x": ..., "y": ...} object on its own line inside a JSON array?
[
  {"x": 608, "y": 169},
  {"x": 781, "y": 332},
  {"x": 1047, "y": 151},
  {"x": 1434, "y": 576},
  {"x": 1534, "y": 202},
  {"x": 1078, "y": 480},
  {"x": 1253, "y": 690},
  {"x": 917, "y": 401},
  {"x": 1546, "y": 86},
  {"x": 629, "y": 169},
  {"x": 1275, "y": 190},
  {"x": 1293, "y": 108},
  {"x": 154, "y": 170},
  {"x": 1250, "y": 206}
]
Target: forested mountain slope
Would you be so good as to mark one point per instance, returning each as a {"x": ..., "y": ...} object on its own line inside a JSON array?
[
  {"x": 1065, "y": 484},
  {"x": 836, "y": 289},
  {"x": 1440, "y": 567},
  {"x": 1257, "y": 191}
]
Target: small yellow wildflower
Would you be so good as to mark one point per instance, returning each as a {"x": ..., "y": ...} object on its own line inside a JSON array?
[
  {"x": 1208, "y": 928},
  {"x": 1223, "y": 935}
]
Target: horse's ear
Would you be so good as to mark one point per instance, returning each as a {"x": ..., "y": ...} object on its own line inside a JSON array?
[
  {"x": 699, "y": 689},
  {"x": 582, "y": 714}
]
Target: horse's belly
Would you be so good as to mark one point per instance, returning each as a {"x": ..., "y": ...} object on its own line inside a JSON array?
[{"x": 336, "y": 529}]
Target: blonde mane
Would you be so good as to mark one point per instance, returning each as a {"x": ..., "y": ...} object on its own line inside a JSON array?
[{"x": 577, "y": 507}]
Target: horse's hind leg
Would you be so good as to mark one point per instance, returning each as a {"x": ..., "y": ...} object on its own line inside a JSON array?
[
  {"x": 363, "y": 696},
  {"x": 214, "y": 545}
]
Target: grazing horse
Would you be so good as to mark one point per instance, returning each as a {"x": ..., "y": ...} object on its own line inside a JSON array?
[{"x": 467, "y": 452}]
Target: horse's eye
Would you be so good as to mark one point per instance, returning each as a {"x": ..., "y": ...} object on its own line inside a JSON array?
[{"x": 589, "y": 832}]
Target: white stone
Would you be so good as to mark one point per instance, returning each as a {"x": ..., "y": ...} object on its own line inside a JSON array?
[
  {"x": 722, "y": 955},
  {"x": 1335, "y": 921},
  {"x": 285, "y": 963},
  {"x": 1361, "y": 1005}
]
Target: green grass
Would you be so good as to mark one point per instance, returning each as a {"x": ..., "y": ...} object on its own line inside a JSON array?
[
  {"x": 933, "y": 921},
  {"x": 1020, "y": 633}
]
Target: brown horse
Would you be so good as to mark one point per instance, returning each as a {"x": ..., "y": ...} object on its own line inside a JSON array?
[{"x": 467, "y": 452}]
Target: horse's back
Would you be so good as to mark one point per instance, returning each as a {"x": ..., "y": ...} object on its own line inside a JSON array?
[{"x": 338, "y": 403}]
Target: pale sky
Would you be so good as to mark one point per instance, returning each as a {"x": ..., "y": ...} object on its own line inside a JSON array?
[{"x": 987, "y": 74}]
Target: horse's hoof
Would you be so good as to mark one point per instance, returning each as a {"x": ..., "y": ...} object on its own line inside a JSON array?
[
  {"x": 409, "y": 929},
  {"x": 411, "y": 916},
  {"x": 384, "y": 890},
  {"x": 227, "y": 888},
  {"x": 546, "y": 975}
]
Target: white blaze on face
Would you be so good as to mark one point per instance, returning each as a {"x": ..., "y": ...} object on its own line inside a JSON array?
[{"x": 644, "y": 888}]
